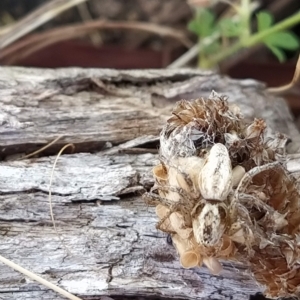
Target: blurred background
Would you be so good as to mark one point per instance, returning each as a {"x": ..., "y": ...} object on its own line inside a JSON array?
[{"x": 154, "y": 34}]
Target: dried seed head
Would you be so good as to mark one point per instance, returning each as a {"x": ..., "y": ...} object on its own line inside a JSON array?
[
  {"x": 255, "y": 130},
  {"x": 198, "y": 124},
  {"x": 224, "y": 192},
  {"x": 215, "y": 179}
]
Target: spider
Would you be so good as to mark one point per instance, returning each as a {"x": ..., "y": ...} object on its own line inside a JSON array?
[{"x": 209, "y": 206}]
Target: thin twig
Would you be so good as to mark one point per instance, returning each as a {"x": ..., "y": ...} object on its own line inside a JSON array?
[
  {"x": 295, "y": 83},
  {"x": 41, "y": 149},
  {"x": 41, "y": 40},
  {"x": 86, "y": 16},
  {"x": 196, "y": 49},
  {"x": 37, "y": 18},
  {"x": 50, "y": 198},
  {"x": 193, "y": 52},
  {"x": 38, "y": 279}
]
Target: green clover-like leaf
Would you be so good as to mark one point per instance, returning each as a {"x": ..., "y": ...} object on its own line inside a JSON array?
[
  {"x": 230, "y": 28},
  {"x": 284, "y": 40},
  {"x": 203, "y": 24},
  {"x": 264, "y": 20},
  {"x": 278, "y": 53}
]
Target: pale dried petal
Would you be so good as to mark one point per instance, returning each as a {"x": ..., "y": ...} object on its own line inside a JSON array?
[
  {"x": 178, "y": 224},
  {"x": 191, "y": 166},
  {"x": 162, "y": 211},
  {"x": 279, "y": 221},
  {"x": 237, "y": 174},
  {"x": 183, "y": 245},
  {"x": 237, "y": 233},
  {"x": 289, "y": 255},
  {"x": 213, "y": 265},
  {"x": 255, "y": 129},
  {"x": 227, "y": 247}
]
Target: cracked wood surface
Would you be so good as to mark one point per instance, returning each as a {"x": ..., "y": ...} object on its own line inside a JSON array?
[{"x": 115, "y": 248}]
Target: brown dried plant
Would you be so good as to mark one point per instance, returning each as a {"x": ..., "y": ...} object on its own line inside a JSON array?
[{"x": 223, "y": 193}]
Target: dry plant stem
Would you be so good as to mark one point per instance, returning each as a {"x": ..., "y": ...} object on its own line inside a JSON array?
[
  {"x": 39, "y": 41},
  {"x": 288, "y": 87},
  {"x": 37, "y": 18},
  {"x": 86, "y": 16},
  {"x": 5, "y": 29},
  {"x": 38, "y": 279},
  {"x": 196, "y": 49},
  {"x": 41, "y": 149},
  {"x": 193, "y": 52},
  {"x": 50, "y": 199},
  {"x": 253, "y": 40}
]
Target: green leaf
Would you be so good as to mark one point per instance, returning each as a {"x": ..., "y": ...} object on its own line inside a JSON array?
[
  {"x": 230, "y": 28},
  {"x": 283, "y": 39},
  {"x": 203, "y": 24},
  {"x": 264, "y": 20},
  {"x": 277, "y": 52},
  {"x": 194, "y": 27},
  {"x": 212, "y": 48}
]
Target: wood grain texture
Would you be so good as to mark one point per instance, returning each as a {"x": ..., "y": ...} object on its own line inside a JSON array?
[{"x": 115, "y": 249}]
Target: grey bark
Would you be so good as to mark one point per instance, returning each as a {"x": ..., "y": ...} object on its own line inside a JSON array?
[{"x": 109, "y": 242}]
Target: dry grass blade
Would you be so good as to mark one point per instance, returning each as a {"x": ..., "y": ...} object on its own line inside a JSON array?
[
  {"x": 294, "y": 85},
  {"x": 86, "y": 16},
  {"x": 38, "y": 41},
  {"x": 50, "y": 199},
  {"x": 38, "y": 279},
  {"x": 38, "y": 17},
  {"x": 41, "y": 149}
]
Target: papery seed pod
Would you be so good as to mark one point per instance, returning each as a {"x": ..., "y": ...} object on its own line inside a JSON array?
[
  {"x": 237, "y": 174},
  {"x": 228, "y": 249},
  {"x": 191, "y": 166},
  {"x": 160, "y": 173},
  {"x": 165, "y": 224},
  {"x": 191, "y": 259},
  {"x": 180, "y": 174},
  {"x": 187, "y": 250},
  {"x": 161, "y": 178},
  {"x": 215, "y": 179},
  {"x": 161, "y": 211},
  {"x": 178, "y": 224}
]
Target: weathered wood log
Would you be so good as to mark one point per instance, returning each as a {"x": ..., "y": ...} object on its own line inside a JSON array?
[{"x": 110, "y": 244}]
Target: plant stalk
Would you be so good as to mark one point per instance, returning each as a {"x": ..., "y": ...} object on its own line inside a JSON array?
[{"x": 254, "y": 39}]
